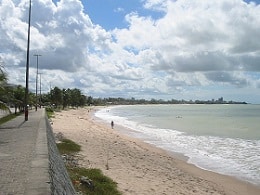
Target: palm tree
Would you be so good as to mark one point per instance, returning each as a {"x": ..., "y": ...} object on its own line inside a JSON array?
[{"x": 18, "y": 98}]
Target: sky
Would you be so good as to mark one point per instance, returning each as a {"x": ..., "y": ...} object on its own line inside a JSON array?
[{"x": 161, "y": 49}]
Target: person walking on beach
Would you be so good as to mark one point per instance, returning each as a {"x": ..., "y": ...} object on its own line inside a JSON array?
[{"x": 112, "y": 124}]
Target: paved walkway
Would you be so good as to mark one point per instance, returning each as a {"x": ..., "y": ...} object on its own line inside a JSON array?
[{"x": 24, "y": 156}]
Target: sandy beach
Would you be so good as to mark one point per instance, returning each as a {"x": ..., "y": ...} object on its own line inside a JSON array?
[{"x": 137, "y": 167}]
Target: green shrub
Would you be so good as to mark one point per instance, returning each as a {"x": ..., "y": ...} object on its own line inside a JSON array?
[
  {"x": 49, "y": 111},
  {"x": 103, "y": 185}
]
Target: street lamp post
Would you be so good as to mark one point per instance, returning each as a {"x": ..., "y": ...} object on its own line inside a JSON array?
[
  {"x": 27, "y": 67},
  {"x": 40, "y": 90},
  {"x": 37, "y": 62}
]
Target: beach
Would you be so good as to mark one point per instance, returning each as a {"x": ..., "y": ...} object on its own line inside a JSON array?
[{"x": 138, "y": 167}]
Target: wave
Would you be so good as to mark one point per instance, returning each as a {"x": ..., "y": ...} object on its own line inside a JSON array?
[{"x": 235, "y": 157}]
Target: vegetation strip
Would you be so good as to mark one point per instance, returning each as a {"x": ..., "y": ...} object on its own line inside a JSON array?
[
  {"x": 7, "y": 118},
  {"x": 85, "y": 181}
]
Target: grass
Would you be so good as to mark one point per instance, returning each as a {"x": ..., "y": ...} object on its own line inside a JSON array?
[
  {"x": 68, "y": 147},
  {"x": 103, "y": 185},
  {"x": 8, "y": 118},
  {"x": 50, "y": 112}
]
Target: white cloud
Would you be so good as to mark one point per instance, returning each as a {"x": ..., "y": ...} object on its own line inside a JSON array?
[
  {"x": 119, "y": 9},
  {"x": 194, "y": 44},
  {"x": 197, "y": 36},
  {"x": 141, "y": 33},
  {"x": 159, "y": 5}
]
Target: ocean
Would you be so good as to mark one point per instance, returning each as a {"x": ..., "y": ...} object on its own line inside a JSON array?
[{"x": 220, "y": 138}]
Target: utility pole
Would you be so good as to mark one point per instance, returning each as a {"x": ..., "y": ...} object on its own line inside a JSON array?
[
  {"x": 37, "y": 64},
  {"x": 27, "y": 67}
]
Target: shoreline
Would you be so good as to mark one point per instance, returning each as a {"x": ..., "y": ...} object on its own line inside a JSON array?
[
  {"x": 222, "y": 157},
  {"x": 128, "y": 133},
  {"x": 139, "y": 167}
]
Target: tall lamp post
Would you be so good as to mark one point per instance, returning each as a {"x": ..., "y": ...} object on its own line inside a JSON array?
[
  {"x": 37, "y": 62},
  {"x": 27, "y": 67},
  {"x": 40, "y": 99}
]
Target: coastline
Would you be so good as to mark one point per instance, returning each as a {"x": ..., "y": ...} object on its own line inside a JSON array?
[{"x": 138, "y": 167}]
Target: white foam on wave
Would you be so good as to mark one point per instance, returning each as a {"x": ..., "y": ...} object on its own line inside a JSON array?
[{"x": 235, "y": 157}]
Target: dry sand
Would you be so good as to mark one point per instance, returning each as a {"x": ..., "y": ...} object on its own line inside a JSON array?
[{"x": 137, "y": 167}]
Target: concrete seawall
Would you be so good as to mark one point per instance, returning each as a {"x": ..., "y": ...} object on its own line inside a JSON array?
[{"x": 59, "y": 178}]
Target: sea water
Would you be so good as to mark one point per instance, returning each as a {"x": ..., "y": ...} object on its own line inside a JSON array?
[{"x": 220, "y": 138}]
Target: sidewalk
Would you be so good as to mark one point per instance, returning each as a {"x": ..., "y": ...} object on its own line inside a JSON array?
[{"x": 24, "y": 156}]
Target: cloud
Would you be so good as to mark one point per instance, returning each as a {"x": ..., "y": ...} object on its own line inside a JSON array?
[
  {"x": 119, "y": 9},
  {"x": 158, "y": 5},
  {"x": 193, "y": 44},
  {"x": 197, "y": 36}
]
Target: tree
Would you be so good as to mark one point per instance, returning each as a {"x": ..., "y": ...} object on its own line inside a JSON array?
[
  {"x": 75, "y": 97},
  {"x": 18, "y": 97},
  {"x": 66, "y": 97},
  {"x": 56, "y": 96},
  {"x": 82, "y": 100},
  {"x": 3, "y": 85},
  {"x": 90, "y": 100}
]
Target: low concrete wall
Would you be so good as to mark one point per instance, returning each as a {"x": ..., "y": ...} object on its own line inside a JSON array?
[{"x": 59, "y": 178}]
